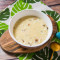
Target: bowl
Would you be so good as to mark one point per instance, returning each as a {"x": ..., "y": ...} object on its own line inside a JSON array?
[{"x": 31, "y": 12}]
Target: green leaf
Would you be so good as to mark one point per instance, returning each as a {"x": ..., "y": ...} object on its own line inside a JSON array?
[
  {"x": 18, "y": 6},
  {"x": 17, "y": 55},
  {"x": 58, "y": 58},
  {"x": 41, "y": 55},
  {"x": 4, "y": 15},
  {"x": 53, "y": 14},
  {"x": 23, "y": 56},
  {"x": 3, "y": 26},
  {"x": 58, "y": 24},
  {"x": 56, "y": 40},
  {"x": 1, "y": 32},
  {"x": 50, "y": 53},
  {"x": 30, "y": 1},
  {"x": 30, "y": 55},
  {"x": 26, "y": 56},
  {"x": 42, "y": 3},
  {"x": 45, "y": 54}
]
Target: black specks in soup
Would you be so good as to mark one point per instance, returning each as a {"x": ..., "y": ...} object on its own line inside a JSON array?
[
  {"x": 28, "y": 24},
  {"x": 29, "y": 43},
  {"x": 44, "y": 25},
  {"x": 22, "y": 40},
  {"x": 36, "y": 40},
  {"x": 47, "y": 28},
  {"x": 30, "y": 30}
]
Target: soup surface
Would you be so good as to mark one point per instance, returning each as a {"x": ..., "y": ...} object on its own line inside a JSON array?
[{"x": 30, "y": 30}]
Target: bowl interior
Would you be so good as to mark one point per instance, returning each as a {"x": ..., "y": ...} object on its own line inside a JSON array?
[{"x": 31, "y": 13}]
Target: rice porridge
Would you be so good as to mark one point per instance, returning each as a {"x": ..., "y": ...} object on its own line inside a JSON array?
[{"x": 30, "y": 30}]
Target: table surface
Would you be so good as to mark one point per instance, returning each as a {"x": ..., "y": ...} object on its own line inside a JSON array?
[{"x": 54, "y": 4}]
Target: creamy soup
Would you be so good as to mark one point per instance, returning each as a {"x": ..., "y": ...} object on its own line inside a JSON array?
[{"x": 30, "y": 30}]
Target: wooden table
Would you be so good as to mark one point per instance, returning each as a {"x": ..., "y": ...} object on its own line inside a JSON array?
[{"x": 54, "y": 4}]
